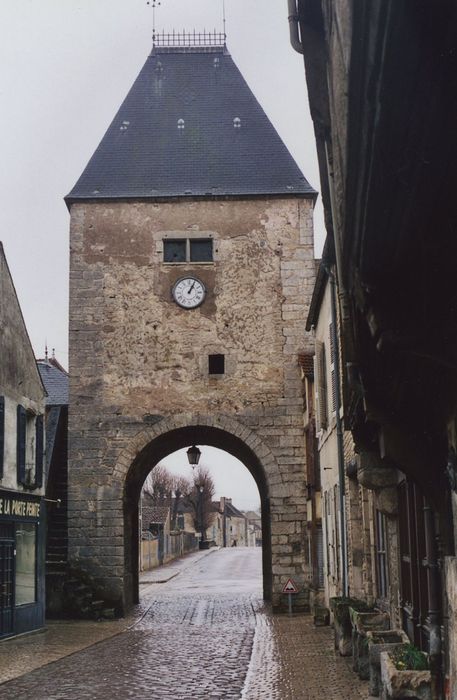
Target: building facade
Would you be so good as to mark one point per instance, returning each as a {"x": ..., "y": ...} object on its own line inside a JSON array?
[
  {"x": 55, "y": 381},
  {"x": 381, "y": 85},
  {"x": 22, "y": 512},
  {"x": 191, "y": 270}
]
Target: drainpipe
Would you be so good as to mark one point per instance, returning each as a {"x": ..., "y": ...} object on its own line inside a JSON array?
[
  {"x": 339, "y": 431},
  {"x": 294, "y": 28},
  {"x": 295, "y": 40}
]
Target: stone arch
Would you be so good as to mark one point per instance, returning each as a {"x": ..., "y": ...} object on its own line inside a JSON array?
[{"x": 166, "y": 435}]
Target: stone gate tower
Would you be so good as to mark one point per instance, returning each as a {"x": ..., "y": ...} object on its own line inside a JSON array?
[{"x": 191, "y": 271}]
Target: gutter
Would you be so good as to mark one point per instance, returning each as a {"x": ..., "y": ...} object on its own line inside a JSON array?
[{"x": 294, "y": 27}]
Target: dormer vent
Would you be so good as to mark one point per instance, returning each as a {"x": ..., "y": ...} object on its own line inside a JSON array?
[
  {"x": 237, "y": 123},
  {"x": 216, "y": 63},
  {"x": 124, "y": 126},
  {"x": 159, "y": 68},
  {"x": 181, "y": 124}
]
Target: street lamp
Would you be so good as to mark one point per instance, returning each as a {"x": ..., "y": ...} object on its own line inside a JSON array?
[{"x": 193, "y": 455}]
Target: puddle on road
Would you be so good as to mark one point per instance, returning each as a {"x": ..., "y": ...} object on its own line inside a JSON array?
[{"x": 262, "y": 679}]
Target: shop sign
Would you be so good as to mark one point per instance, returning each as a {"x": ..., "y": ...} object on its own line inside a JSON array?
[{"x": 16, "y": 506}]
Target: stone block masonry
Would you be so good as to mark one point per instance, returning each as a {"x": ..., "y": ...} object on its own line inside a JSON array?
[{"x": 139, "y": 382}]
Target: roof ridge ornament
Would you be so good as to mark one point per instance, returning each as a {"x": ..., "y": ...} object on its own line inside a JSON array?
[
  {"x": 154, "y": 4},
  {"x": 188, "y": 39}
]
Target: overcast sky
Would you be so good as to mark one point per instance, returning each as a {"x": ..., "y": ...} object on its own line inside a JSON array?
[{"x": 65, "y": 68}]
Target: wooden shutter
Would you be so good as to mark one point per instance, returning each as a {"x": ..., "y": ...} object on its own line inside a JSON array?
[
  {"x": 39, "y": 451},
  {"x": 332, "y": 368},
  {"x": 321, "y": 386},
  {"x": 21, "y": 438},
  {"x": 319, "y": 557},
  {"x": 2, "y": 434}
]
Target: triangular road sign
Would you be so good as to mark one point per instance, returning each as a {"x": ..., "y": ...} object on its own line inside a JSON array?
[{"x": 290, "y": 587}]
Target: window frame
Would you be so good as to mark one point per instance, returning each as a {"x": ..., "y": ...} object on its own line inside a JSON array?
[
  {"x": 382, "y": 554},
  {"x": 188, "y": 246}
]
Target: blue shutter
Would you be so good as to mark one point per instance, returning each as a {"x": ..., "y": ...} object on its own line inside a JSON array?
[
  {"x": 2, "y": 434},
  {"x": 21, "y": 435},
  {"x": 39, "y": 452}
]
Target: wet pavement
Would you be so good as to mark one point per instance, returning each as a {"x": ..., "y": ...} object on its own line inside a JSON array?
[{"x": 203, "y": 634}]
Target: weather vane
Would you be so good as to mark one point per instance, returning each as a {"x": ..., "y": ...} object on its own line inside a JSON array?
[{"x": 154, "y": 4}]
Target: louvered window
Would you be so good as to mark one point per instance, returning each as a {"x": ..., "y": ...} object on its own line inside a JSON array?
[
  {"x": 332, "y": 369},
  {"x": 321, "y": 394},
  {"x": 2, "y": 434},
  {"x": 39, "y": 446},
  {"x": 21, "y": 443},
  {"x": 320, "y": 557}
]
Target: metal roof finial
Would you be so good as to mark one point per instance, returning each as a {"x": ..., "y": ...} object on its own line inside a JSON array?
[{"x": 154, "y": 4}]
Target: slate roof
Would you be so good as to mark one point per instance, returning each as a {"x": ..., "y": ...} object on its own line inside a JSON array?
[
  {"x": 233, "y": 512},
  {"x": 252, "y": 515},
  {"x": 55, "y": 382},
  {"x": 144, "y": 155},
  {"x": 152, "y": 512}
]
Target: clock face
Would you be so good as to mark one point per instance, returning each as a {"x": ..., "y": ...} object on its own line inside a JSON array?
[{"x": 189, "y": 292}]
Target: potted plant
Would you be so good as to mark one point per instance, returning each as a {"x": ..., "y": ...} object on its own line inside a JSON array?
[
  {"x": 405, "y": 673},
  {"x": 377, "y": 642}
]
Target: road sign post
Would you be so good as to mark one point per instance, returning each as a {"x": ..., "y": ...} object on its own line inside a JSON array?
[{"x": 291, "y": 589}]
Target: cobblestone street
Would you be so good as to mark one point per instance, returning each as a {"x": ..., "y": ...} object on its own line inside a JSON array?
[{"x": 203, "y": 634}]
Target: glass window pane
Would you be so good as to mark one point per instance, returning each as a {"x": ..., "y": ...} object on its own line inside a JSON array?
[
  {"x": 25, "y": 563},
  {"x": 174, "y": 251},
  {"x": 201, "y": 250}
]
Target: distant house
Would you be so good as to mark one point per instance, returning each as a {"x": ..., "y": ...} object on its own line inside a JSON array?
[
  {"x": 22, "y": 534},
  {"x": 167, "y": 530},
  {"x": 254, "y": 528},
  {"x": 55, "y": 380},
  {"x": 234, "y": 525},
  {"x": 155, "y": 519}
]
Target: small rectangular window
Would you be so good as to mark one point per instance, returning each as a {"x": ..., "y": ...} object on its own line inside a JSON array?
[
  {"x": 174, "y": 251},
  {"x": 201, "y": 250},
  {"x": 181, "y": 250},
  {"x": 216, "y": 364}
]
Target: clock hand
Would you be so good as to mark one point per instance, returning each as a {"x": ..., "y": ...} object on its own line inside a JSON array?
[{"x": 193, "y": 285}]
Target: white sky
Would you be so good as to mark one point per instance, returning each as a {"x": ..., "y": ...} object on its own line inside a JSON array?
[
  {"x": 65, "y": 68},
  {"x": 231, "y": 478}
]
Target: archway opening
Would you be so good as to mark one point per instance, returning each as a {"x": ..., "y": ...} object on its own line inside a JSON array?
[{"x": 155, "y": 452}]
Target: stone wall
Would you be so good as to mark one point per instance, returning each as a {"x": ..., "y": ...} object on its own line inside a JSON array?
[{"x": 137, "y": 359}]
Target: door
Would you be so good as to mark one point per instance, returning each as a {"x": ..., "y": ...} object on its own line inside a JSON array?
[{"x": 6, "y": 579}]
